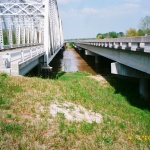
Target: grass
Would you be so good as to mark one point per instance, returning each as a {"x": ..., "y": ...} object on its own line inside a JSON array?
[
  {"x": 25, "y": 121},
  {"x": 69, "y": 45}
]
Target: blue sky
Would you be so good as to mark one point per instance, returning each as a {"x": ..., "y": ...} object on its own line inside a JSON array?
[{"x": 86, "y": 18}]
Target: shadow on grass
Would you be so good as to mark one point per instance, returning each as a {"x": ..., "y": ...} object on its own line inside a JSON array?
[
  {"x": 126, "y": 86},
  {"x": 129, "y": 88},
  {"x": 57, "y": 75}
]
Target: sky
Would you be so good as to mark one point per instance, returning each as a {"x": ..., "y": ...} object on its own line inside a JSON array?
[{"x": 87, "y": 18}]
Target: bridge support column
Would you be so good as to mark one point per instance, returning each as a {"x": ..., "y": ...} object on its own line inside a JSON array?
[
  {"x": 79, "y": 49},
  {"x": 41, "y": 63},
  {"x": 144, "y": 79},
  {"x": 144, "y": 89},
  {"x": 87, "y": 52},
  {"x": 97, "y": 59}
]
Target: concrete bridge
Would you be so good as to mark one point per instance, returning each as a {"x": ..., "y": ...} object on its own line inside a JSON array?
[
  {"x": 131, "y": 57},
  {"x": 30, "y": 34}
]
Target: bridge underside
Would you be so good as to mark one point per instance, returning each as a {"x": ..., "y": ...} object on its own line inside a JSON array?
[
  {"x": 136, "y": 60},
  {"x": 126, "y": 63}
]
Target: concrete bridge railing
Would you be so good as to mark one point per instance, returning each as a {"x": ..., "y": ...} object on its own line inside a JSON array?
[
  {"x": 126, "y": 43},
  {"x": 22, "y": 56},
  {"x": 15, "y": 61}
]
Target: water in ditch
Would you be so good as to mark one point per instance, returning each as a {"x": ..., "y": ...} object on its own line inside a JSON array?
[{"x": 71, "y": 60}]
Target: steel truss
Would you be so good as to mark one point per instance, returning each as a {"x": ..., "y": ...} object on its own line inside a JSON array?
[{"x": 30, "y": 22}]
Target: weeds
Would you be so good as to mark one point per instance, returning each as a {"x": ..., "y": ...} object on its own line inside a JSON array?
[
  {"x": 9, "y": 116},
  {"x": 87, "y": 128},
  {"x": 4, "y": 75},
  {"x": 11, "y": 128}
]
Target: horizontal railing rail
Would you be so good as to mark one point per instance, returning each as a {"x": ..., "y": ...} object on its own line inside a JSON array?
[
  {"x": 125, "y": 43},
  {"x": 22, "y": 55},
  {"x": 6, "y": 47}
]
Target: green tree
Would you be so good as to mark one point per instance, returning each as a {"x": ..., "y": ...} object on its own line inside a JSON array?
[
  {"x": 105, "y": 35},
  {"x": 145, "y": 24},
  {"x": 140, "y": 33},
  {"x": 120, "y": 34},
  {"x": 147, "y": 31},
  {"x": 131, "y": 32},
  {"x": 99, "y": 36},
  {"x": 113, "y": 34}
]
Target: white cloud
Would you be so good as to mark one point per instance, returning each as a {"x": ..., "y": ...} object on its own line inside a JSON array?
[
  {"x": 68, "y": 1},
  {"x": 133, "y": 1},
  {"x": 109, "y": 11},
  {"x": 124, "y": 9},
  {"x": 70, "y": 13},
  {"x": 63, "y": 1},
  {"x": 146, "y": 12}
]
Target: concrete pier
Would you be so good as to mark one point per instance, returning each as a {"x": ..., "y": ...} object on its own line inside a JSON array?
[
  {"x": 144, "y": 89},
  {"x": 97, "y": 59}
]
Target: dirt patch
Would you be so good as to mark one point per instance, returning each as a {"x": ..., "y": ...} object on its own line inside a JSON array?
[
  {"x": 102, "y": 80},
  {"x": 74, "y": 112},
  {"x": 99, "y": 78}
]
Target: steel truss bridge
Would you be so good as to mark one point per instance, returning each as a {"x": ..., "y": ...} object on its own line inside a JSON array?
[{"x": 30, "y": 34}]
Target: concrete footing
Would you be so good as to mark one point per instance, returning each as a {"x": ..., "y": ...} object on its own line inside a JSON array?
[{"x": 46, "y": 71}]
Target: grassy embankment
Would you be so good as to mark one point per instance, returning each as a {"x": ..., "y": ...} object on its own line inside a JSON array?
[{"x": 25, "y": 121}]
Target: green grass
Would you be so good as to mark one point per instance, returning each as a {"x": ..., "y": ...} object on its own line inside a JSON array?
[
  {"x": 26, "y": 123},
  {"x": 13, "y": 128}
]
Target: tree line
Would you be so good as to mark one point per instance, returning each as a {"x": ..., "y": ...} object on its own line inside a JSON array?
[{"x": 144, "y": 29}]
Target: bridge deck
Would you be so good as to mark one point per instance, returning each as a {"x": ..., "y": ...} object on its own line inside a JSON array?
[{"x": 19, "y": 56}]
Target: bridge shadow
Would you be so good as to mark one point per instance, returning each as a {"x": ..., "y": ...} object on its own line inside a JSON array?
[
  {"x": 129, "y": 88},
  {"x": 56, "y": 65},
  {"x": 126, "y": 86}
]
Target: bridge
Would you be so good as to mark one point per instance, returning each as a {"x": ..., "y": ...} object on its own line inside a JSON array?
[
  {"x": 30, "y": 34},
  {"x": 130, "y": 56}
]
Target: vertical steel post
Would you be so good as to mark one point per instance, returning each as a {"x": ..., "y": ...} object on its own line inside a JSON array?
[
  {"x": 1, "y": 35},
  {"x": 10, "y": 32},
  {"x": 46, "y": 30},
  {"x": 28, "y": 36}
]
